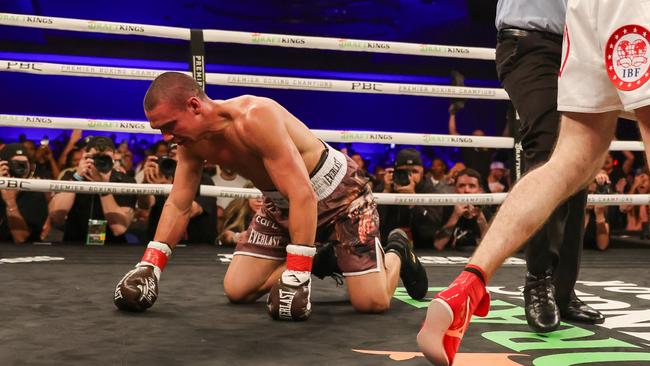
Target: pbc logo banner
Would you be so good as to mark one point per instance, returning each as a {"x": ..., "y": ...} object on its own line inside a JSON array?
[{"x": 13, "y": 184}]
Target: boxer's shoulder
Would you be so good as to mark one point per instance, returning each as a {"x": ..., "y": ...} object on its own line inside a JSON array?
[{"x": 247, "y": 103}]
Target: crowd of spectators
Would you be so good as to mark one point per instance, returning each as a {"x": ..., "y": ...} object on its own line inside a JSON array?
[{"x": 35, "y": 216}]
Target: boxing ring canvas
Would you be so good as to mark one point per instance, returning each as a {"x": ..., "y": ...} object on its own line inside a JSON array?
[{"x": 57, "y": 309}]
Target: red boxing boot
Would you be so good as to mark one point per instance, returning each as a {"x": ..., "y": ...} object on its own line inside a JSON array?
[{"x": 449, "y": 315}]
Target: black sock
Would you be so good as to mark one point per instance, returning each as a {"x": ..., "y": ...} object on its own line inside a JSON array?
[{"x": 476, "y": 272}]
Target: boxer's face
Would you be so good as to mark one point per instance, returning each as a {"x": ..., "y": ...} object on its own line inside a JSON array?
[{"x": 178, "y": 125}]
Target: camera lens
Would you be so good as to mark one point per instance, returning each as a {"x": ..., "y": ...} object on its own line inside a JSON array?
[
  {"x": 402, "y": 177},
  {"x": 167, "y": 166},
  {"x": 18, "y": 168},
  {"x": 603, "y": 188},
  {"x": 103, "y": 163}
]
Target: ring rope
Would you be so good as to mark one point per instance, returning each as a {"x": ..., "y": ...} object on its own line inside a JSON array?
[
  {"x": 264, "y": 39},
  {"x": 428, "y": 199},
  {"x": 400, "y": 138},
  {"x": 260, "y": 81},
  {"x": 326, "y": 135},
  {"x": 274, "y": 82}
]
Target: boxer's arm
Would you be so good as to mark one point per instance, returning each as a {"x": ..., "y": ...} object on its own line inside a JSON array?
[
  {"x": 178, "y": 206},
  {"x": 265, "y": 132}
]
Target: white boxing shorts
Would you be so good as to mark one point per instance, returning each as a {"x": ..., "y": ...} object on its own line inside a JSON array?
[{"x": 605, "y": 56}]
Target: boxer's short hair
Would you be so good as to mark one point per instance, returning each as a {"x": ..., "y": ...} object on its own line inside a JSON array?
[{"x": 173, "y": 87}]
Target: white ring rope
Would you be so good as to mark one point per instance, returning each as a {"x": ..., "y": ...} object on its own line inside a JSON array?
[
  {"x": 374, "y": 137},
  {"x": 260, "y": 81},
  {"x": 326, "y": 135},
  {"x": 264, "y": 39},
  {"x": 427, "y": 199},
  {"x": 77, "y": 124},
  {"x": 273, "y": 82}
]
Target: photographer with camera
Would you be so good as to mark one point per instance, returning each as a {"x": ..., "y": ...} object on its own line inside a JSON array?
[
  {"x": 22, "y": 214},
  {"x": 202, "y": 227},
  {"x": 158, "y": 149},
  {"x": 464, "y": 224},
  {"x": 74, "y": 212},
  {"x": 408, "y": 177}
]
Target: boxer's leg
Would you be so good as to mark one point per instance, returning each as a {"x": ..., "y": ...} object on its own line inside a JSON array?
[
  {"x": 258, "y": 260},
  {"x": 248, "y": 278},
  {"x": 371, "y": 277},
  {"x": 371, "y": 292},
  {"x": 583, "y": 140}
]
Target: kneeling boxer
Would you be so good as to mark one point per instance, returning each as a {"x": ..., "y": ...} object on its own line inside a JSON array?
[{"x": 312, "y": 192}]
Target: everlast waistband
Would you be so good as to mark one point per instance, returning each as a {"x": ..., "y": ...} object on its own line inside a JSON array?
[{"x": 330, "y": 172}]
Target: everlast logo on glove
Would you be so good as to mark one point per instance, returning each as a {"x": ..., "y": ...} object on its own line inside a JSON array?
[
  {"x": 137, "y": 291},
  {"x": 148, "y": 290},
  {"x": 289, "y": 298},
  {"x": 118, "y": 294},
  {"x": 286, "y": 298},
  {"x": 286, "y": 302}
]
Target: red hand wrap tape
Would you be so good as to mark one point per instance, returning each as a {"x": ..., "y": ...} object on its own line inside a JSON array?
[
  {"x": 156, "y": 257},
  {"x": 299, "y": 262}
]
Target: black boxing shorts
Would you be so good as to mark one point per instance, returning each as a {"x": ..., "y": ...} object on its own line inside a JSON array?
[{"x": 347, "y": 214}]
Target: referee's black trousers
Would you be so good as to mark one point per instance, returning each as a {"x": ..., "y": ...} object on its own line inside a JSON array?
[{"x": 528, "y": 66}]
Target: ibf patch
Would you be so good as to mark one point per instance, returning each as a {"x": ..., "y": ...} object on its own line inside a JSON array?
[{"x": 626, "y": 57}]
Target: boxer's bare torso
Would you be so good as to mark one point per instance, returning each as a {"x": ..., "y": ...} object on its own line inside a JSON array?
[
  {"x": 243, "y": 132},
  {"x": 257, "y": 138}
]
